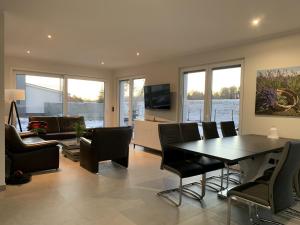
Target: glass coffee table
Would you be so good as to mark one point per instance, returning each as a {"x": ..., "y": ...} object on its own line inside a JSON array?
[{"x": 71, "y": 149}]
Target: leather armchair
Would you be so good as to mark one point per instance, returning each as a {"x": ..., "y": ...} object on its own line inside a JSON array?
[
  {"x": 30, "y": 153},
  {"x": 105, "y": 144}
]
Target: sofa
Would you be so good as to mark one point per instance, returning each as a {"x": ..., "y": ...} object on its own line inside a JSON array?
[
  {"x": 105, "y": 144},
  {"x": 59, "y": 128},
  {"x": 28, "y": 152}
]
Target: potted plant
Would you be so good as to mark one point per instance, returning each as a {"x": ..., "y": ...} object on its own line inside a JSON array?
[{"x": 79, "y": 129}]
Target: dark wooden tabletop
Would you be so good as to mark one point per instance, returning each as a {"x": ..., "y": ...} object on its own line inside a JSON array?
[{"x": 234, "y": 149}]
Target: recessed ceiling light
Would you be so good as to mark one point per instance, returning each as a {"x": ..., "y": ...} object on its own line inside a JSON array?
[
  {"x": 138, "y": 54},
  {"x": 102, "y": 63},
  {"x": 28, "y": 51},
  {"x": 49, "y": 36},
  {"x": 255, "y": 22}
]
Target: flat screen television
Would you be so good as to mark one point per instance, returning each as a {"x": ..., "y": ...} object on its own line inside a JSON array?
[{"x": 157, "y": 96}]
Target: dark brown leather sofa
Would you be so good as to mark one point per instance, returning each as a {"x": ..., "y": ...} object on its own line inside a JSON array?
[
  {"x": 105, "y": 144},
  {"x": 59, "y": 128},
  {"x": 30, "y": 153}
]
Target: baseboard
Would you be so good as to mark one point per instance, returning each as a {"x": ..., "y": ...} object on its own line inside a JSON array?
[{"x": 2, "y": 187}]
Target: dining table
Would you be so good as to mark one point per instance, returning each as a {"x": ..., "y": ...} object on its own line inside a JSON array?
[{"x": 249, "y": 151}]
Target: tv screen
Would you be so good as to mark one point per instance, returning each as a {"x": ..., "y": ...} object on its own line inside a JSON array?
[{"x": 157, "y": 96}]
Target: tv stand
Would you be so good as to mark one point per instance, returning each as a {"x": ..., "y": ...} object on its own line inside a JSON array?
[{"x": 146, "y": 133}]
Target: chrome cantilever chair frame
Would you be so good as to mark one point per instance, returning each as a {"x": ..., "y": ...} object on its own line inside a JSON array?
[{"x": 184, "y": 190}]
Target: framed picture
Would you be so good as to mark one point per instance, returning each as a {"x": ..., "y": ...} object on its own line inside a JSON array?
[{"x": 278, "y": 92}]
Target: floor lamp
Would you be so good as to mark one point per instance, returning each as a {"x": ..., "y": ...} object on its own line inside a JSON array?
[{"x": 13, "y": 95}]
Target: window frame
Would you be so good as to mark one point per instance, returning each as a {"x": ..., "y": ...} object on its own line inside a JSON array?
[
  {"x": 65, "y": 78},
  {"x": 208, "y": 68},
  {"x": 118, "y": 81}
]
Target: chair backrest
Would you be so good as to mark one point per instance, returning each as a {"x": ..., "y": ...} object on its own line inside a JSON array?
[
  {"x": 169, "y": 134},
  {"x": 281, "y": 183},
  {"x": 210, "y": 130},
  {"x": 190, "y": 132},
  {"x": 111, "y": 142},
  {"x": 13, "y": 141},
  {"x": 297, "y": 183},
  {"x": 228, "y": 129}
]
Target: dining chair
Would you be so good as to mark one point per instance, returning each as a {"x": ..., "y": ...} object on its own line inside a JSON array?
[
  {"x": 210, "y": 131},
  {"x": 275, "y": 195},
  {"x": 228, "y": 128},
  {"x": 190, "y": 132},
  {"x": 174, "y": 161}
]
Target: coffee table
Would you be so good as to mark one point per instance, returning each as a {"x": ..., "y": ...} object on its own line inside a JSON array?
[{"x": 71, "y": 149}]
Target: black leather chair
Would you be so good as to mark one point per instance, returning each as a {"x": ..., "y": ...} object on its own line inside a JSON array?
[
  {"x": 190, "y": 132},
  {"x": 184, "y": 163},
  {"x": 275, "y": 195},
  {"x": 228, "y": 128},
  {"x": 30, "y": 153},
  {"x": 105, "y": 144},
  {"x": 210, "y": 130},
  {"x": 174, "y": 160}
]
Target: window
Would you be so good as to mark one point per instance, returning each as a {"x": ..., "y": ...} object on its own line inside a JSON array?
[
  {"x": 211, "y": 93},
  {"x": 43, "y": 97},
  {"x": 193, "y": 96},
  {"x": 124, "y": 102},
  {"x": 131, "y": 101},
  {"x": 86, "y": 98},
  {"x": 226, "y": 94},
  {"x": 138, "y": 104}
]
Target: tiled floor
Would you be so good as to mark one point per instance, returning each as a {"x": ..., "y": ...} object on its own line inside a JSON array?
[{"x": 115, "y": 197}]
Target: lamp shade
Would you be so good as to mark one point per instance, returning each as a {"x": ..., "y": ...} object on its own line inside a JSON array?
[{"x": 14, "y": 94}]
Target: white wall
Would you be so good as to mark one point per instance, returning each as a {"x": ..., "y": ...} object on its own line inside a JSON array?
[
  {"x": 2, "y": 147},
  {"x": 273, "y": 53},
  {"x": 29, "y": 64}
]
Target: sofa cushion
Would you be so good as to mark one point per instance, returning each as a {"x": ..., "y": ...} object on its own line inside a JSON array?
[
  {"x": 52, "y": 121},
  {"x": 67, "y": 123}
]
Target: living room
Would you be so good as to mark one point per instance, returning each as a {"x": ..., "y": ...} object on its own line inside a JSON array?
[{"x": 98, "y": 60}]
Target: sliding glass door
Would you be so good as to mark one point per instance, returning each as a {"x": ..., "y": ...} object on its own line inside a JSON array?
[
  {"x": 124, "y": 102},
  {"x": 211, "y": 93},
  {"x": 131, "y": 101},
  {"x": 43, "y": 96},
  {"x": 86, "y": 98}
]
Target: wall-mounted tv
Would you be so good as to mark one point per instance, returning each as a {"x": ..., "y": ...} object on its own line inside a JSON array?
[{"x": 157, "y": 96}]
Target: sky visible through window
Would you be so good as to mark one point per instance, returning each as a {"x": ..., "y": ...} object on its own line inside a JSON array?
[
  {"x": 85, "y": 89},
  {"x": 221, "y": 78}
]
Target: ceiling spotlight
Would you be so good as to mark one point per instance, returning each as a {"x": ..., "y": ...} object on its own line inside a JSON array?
[
  {"x": 28, "y": 51},
  {"x": 138, "y": 54},
  {"x": 102, "y": 63},
  {"x": 49, "y": 36},
  {"x": 255, "y": 22}
]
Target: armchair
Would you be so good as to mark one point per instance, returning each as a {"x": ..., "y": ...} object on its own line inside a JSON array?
[
  {"x": 105, "y": 144},
  {"x": 30, "y": 153}
]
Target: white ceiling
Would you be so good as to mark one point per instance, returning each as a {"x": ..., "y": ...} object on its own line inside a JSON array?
[{"x": 88, "y": 31}]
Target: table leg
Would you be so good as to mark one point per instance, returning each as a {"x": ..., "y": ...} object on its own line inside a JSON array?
[{"x": 223, "y": 192}]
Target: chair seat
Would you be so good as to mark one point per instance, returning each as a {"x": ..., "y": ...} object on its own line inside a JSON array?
[
  {"x": 209, "y": 164},
  {"x": 253, "y": 191},
  {"x": 185, "y": 168}
]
